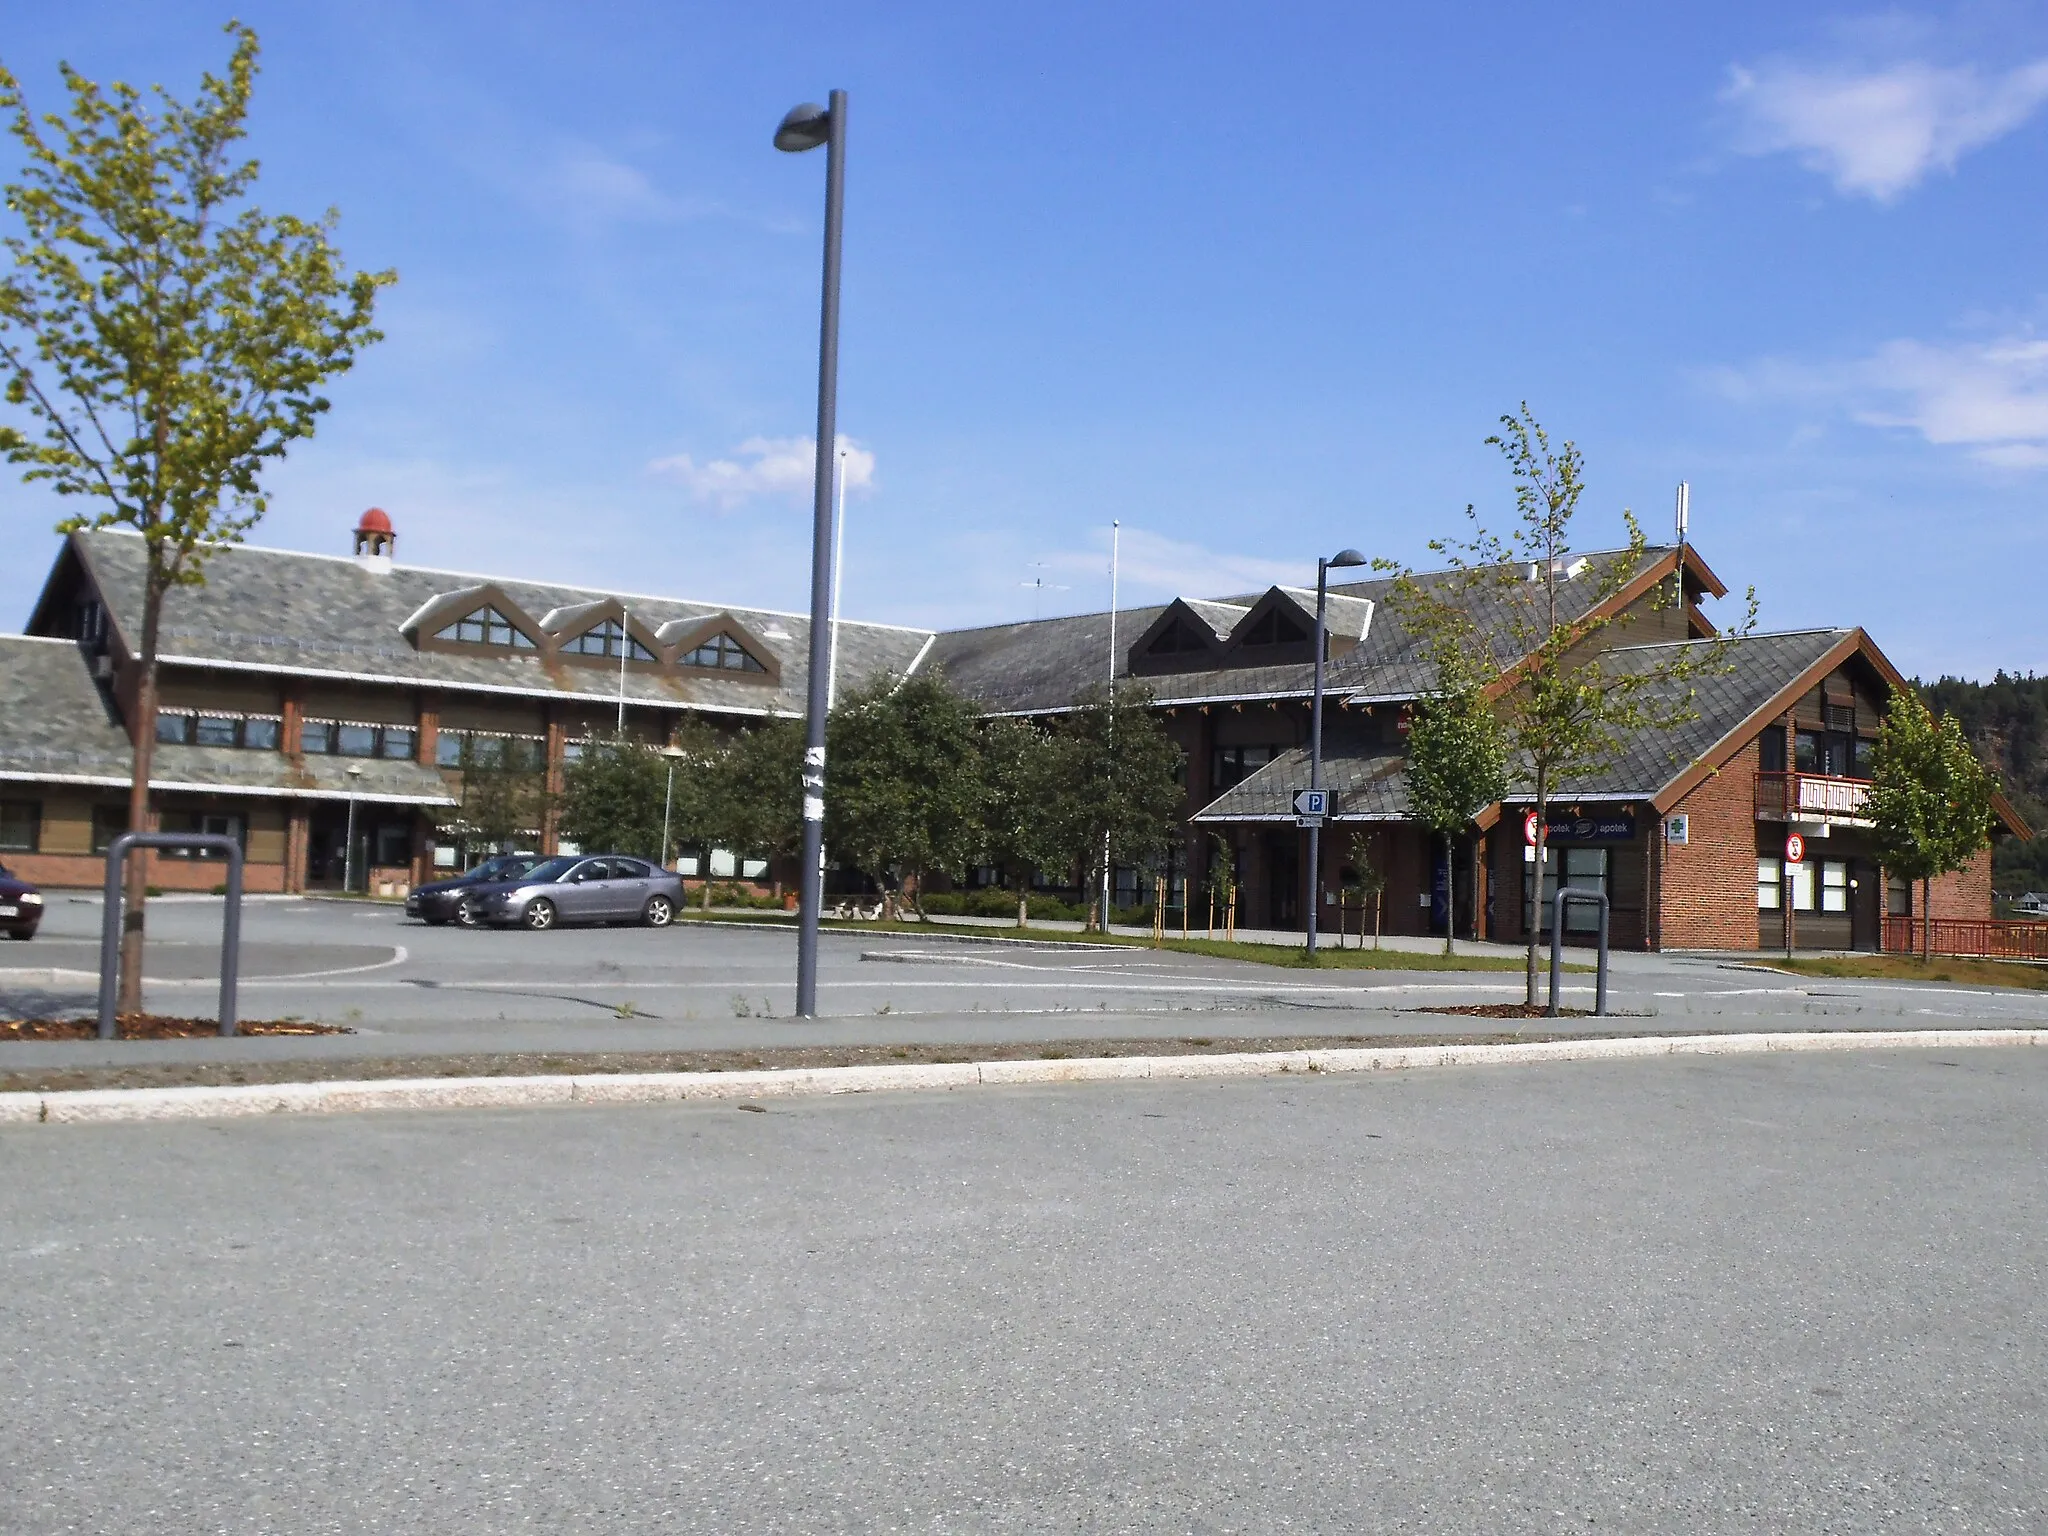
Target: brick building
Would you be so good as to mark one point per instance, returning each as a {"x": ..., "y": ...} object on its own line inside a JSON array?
[{"x": 337, "y": 714}]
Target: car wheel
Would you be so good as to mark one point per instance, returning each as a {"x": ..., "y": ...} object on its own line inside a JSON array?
[
  {"x": 540, "y": 914},
  {"x": 435, "y": 922},
  {"x": 465, "y": 914},
  {"x": 21, "y": 933},
  {"x": 659, "y": 912}
]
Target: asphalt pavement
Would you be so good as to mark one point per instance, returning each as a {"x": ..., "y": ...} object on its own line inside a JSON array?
[
  {"x": 1757, "y": 1294},
  {"x": 404, "y": 988}
]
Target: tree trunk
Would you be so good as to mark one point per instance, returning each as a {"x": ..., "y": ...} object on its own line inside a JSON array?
[
  {"x": 1535, "y": 934},
  {"x": 136, "y": 877},
  {"x": 1926, "y": 920},
  {"x": 917, "y": 896},
  {"x": 1376, "y": 911},
  {"x": 1450, "y": 896},
  {"x": 1023, "y": 908}
]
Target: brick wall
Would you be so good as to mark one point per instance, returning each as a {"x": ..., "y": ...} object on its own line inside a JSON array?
[
  {"x": 1965, "y": 894},
  {"x": 1709, "y": 884}
]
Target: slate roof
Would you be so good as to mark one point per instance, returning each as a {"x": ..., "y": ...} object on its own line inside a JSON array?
[
  {"x": 1047, "y": 664},
  {"x": 283, "y": 611},
  {"x": 60, "y": 728},
  {"x": 1369, "y": 780}
]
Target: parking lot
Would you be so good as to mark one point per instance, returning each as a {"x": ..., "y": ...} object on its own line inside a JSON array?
[{"x": 401, "y": 986}]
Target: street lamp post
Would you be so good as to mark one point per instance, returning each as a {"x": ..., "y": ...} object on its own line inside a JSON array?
[
  {"x": 1343, "y": 557},
  {"x": 806, "y": 127},
  {"x": 348, "y": 849}
]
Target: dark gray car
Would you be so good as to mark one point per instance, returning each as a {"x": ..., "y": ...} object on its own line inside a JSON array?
[{"x": 588, "y": 888}]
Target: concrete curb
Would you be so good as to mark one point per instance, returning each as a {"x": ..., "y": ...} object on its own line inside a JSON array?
[{"x": 106, "y": 1105}]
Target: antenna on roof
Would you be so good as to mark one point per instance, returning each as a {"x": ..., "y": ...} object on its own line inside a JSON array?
[{"x": 1039, "y": 587}]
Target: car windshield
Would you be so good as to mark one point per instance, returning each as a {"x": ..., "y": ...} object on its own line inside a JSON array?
[
  {"x": 506, "y": 866},
  {"x": 546, "y": 870}
]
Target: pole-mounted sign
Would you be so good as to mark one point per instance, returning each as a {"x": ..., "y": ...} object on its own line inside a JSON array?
[
  {"x": 1312, "y": 804},
  {"x": 1795, "y": 849}
]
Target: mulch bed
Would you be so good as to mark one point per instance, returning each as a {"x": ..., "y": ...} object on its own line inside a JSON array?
[
  {"x": 540, "y": 1064},
  {"x": 156, "y": 1026}
]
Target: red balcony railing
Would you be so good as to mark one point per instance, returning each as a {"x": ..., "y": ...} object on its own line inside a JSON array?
[
  {"x": 1815, "y": 796},
  {"x": 1989, "y": 938}
]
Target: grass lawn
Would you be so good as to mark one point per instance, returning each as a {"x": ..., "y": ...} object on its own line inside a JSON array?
[
  {"x": 1284, "y": 955},
  {"x": 1975, "y": 973}
]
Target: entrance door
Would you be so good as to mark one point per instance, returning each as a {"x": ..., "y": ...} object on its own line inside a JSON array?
[{"x": 1283, "y": 880}]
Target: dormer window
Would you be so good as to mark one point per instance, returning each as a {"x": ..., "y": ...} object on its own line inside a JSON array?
[
  {"x": 721, "y": 650},
  {"x": 1179, "y": 640},
  {"x": 1274, "y": 627},
  {"x": 486, "y": 626},
  {"x": 608, "y": 639}
]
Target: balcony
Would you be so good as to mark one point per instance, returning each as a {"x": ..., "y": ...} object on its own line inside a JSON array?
[{"x": 1820, "y": 797}]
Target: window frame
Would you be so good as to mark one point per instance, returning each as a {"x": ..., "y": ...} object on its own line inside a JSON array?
[{"x": 34, "y": 819}]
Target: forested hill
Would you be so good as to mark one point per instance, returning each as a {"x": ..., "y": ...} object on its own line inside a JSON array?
[{"x": 2007, "y": 720}]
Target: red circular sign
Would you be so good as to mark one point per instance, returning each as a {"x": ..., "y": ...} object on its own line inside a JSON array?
[
  {"x": 1795, "y": 848},
  {"x": 1529, "y": 829}
]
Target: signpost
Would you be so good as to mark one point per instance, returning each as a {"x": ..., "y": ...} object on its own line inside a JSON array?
[
  {"x": 1795, "y": 848},
  {"x": 1795, "y": 853},
  {"x": 1311, "y": 806}
]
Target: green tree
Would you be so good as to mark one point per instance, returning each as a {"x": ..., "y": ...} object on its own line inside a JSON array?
[
  {"x": 903, "y": 790},
  {"x": 1522, "y": 611},
  {"x": 1930, "y": 802},
  {"x": 1457, "y": 763},
  {"x": 1119, "y": 788},
  {"x": 753, "y": 795},
  {"x": 504, "y": 794},
  {"x": 1020, "y": 788},
  {"x": 165, "y": 339},
  {"x": 613, "y": 797}
]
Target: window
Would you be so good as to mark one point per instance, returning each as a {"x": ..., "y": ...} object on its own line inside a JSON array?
[
  {"x": 1770, "y": 886},
  {"x": 1898, "y": 895},
  {"x": 181, "y": 728},
  {"x": 572, "y": 751},
  {"x": 629, "y": 869},
  {"x": 1771, "y": 750},
  {"x": 486, "y": 626},
  {"x": 721, "y": 650},
  {"x": 608, "y": 639},
  {"x": 1179, "y": 640},
  {"x": 392, "y": 845},
  {"x": 1800, "y": 877},
  {"x": 1834, "y": 886},
  {"x": 21, "y": 825},
  {"x": 214, "y": 823},
  {"x": 108, "y": 823},
  {"x": 1859, "y": 757},
  {"x": 1233, "y": 765},
  {"x": 1806, "y": 757},
  {"x": 1275, "y": 628},
  {"x": 483, "y": 749},
  {"x": 1585, "y": 869},
  {"x": 352, "y": 738}
]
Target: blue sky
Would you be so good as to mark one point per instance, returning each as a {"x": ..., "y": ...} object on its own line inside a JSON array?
[{"x": 1255, "y": 281}]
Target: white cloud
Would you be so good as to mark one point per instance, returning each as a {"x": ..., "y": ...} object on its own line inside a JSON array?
[
  {"x": 1151, "y": 567},
  {"x": 1989, "y": 397},
  {"x": 764, "y": 468},
  {"x": 1878, "y": 132}
]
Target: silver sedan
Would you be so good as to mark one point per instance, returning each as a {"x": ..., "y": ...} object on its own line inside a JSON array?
[{"x": 599, "y": 888}]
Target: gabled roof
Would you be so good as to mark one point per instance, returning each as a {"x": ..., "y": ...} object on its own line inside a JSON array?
[
  {"x": 1767, "y": 674},
  {"x": 1045, "y": 665},
  {"x": 280, "y": 611}
]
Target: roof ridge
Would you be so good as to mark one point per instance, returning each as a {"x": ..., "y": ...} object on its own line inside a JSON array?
[
  {"x": 1760, "y": 634},
  {"x": 482, "y": 578}
]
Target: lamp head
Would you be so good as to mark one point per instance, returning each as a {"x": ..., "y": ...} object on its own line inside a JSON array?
[
  {"x": 804, "y": 127},
  {"x": 1345, "y": 557}
]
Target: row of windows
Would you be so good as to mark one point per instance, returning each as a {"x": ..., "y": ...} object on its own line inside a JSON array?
[
  {"x": 484, "y": 749},
  {"x": 196, "y": 730},
  {"x": 608, "y": 638},
  {"x": 1833, "y": 752},
  {"x": 1775, "y": 879},
  {"x": 1233, "y": 765},
  {"x": 341, "y": 738}
]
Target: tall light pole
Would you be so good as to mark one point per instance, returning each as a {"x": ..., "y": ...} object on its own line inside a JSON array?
[
  {"x": 1315, "y": 735},
  {"x": 348, "y": 847},
  {"x": 806, "y": 127}
]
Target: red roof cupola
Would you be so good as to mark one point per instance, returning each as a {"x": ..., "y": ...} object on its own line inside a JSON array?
[{"x": 374, "y": 536}]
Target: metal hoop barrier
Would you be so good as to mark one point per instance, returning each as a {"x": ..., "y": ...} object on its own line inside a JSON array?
[
  {"x": 230, "y": 926},
  {"x": 1569, "y": 893}
]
